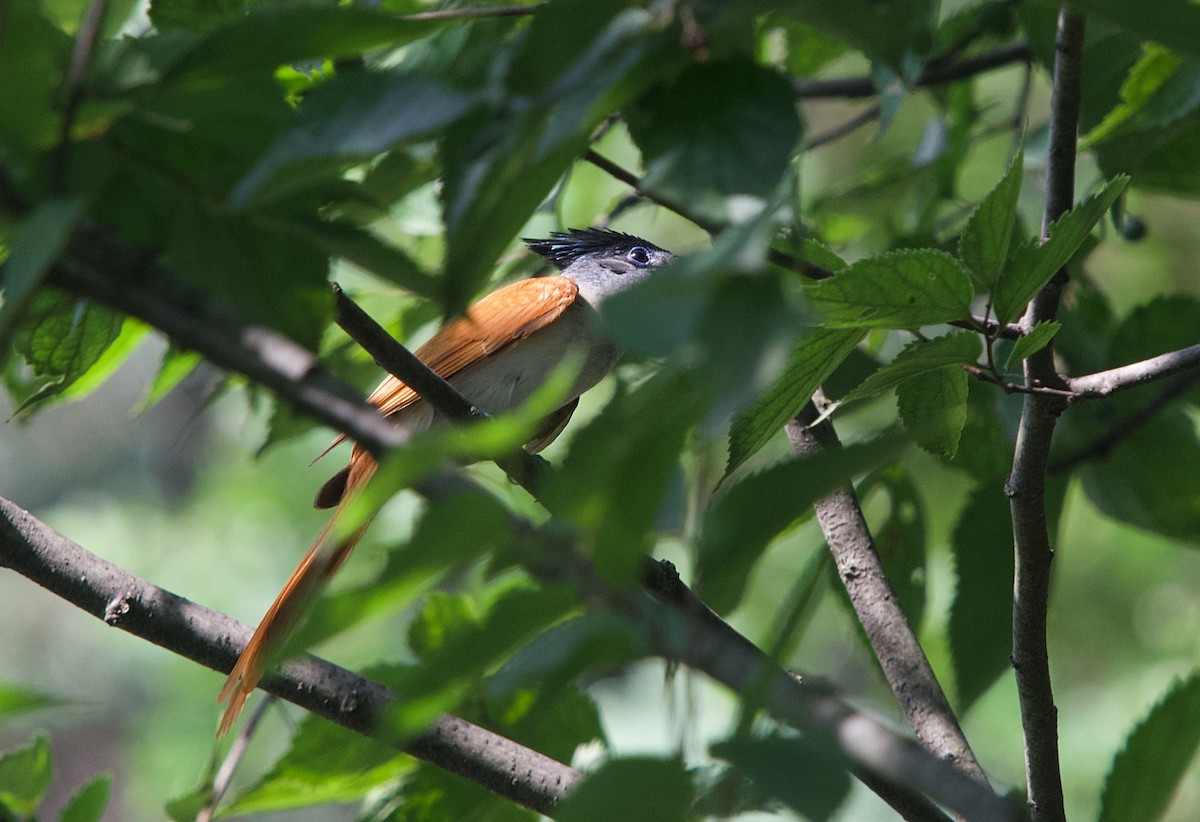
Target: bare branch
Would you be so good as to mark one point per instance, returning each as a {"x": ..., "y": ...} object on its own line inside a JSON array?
[
  {"x": 214, "y": 640},
  {"x": 1026, "y": 485},
  {"x": 901, "y": 657},
  {"x": 1104, "y": 383},
  {"x": 935, "y": 73}
]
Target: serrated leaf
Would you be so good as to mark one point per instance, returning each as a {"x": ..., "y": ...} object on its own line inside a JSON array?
[
  {"x": 1033, "y": 265},
  {"x": 1038, "y": 338},
  {"x": 899, "y": 289},
  {"x": 980, "y": 627},
  {"x": 1146, "y": 772},
  {"x": 113, "y": 357},
  {"x": 984, "y": 243},
  {"x": 31, "y": 253},
  {"x": 630, "y": 788},
  {"x": 920, "y": 357},
  {"x": 61, "y": 337},
  {"x": 89, "y": 802},
  {"x": 347, "y": 120},
  {"x": 741, "y": 522},
  {"x": 25, "y": 777},
  {"x": 933, "y": 407},
  {"x": 808, "y": 775},
  {"x": 814, "y": 359},
  {"x": 720, "y": 129}
]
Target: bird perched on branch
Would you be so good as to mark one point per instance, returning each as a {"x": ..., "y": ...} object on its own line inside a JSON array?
[{"x": 496, "y": 356}]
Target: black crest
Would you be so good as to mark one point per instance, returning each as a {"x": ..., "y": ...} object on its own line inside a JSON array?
[{"x": 565, "y": 247}]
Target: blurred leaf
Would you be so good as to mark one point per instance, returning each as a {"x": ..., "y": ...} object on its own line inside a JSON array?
[
  {"x": 1169, "y": 22},
  {"x": 61, "y": 337},
  {"x": 807, "y": 775},
  {"x": 430, "y": 794},
  {"x": 1146, "y": 79},
  {"x": 561, "y": 653},
  {"x": 461, "y": 528},
  {"x": 900, "y": 539},
  {"x": 458, "y": 639},
  {"x": 500, "y": 164},
  {"x": 920, "y": 357},
  {"x": 25, "y": 777},
  {"x": 366, "y": 251},
  {"x": 612, "y": 483},
  {"x": 1032, "y": 265},
  {"x": 1147, "y": 771},
  {"x": 896, "y": 33},
  {"x": 630, "y": 788},
  {"x": 33, "y": 54},
  {"x": 933, "y": 406},
  {"x": 175, "y": 366},
  {"x": 31, "y": 253},
  {"x": 806, "y": 49},
  {"x": 1038, "y": 338},
  {"x": 195, "y": 15},
  {"x": 1148, "y": 479},
  {"x": 981, "y": 615},
  {"x": 89, "y": 802},
  {"x": 17, "y": 699},
  {"x": 262, "y": 40},
  {"x": 1165, "y": 323},
  {"x": 347, "y": 120},
  {"x": 817, "y": 355},
  {"x": 325, "y": 763},
  {"x": 718, "y": 130},
  {"x": 743, "y": 520},
  {"x": 899, "y": 289},
  {"x": 187, "y": 807},
  {"x": 984, "y": 243}
]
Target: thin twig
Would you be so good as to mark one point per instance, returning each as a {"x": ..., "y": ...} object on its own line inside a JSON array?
[
  {"x": 933, "y": 75},
  {"x": 1026, "y": 485},
  {"x": 1105, "y": 383},
  {"x": 900, "y": 655},
  {"x": 233, "y": 757},
  {"x": 867, "y": 115},
  {"x": 81, "y": 55}
]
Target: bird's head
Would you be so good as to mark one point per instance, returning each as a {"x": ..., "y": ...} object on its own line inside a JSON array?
[{"x": 603, "y": 262}]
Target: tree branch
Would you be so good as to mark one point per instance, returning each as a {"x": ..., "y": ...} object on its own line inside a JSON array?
[
  {"x": 214, "y": 640},
  {"x": 901, "y": 657},
  {"x": 1026, "y": 485},
  {"x": 935, "y": 73},
  {"x": 1105, "y": 383}
]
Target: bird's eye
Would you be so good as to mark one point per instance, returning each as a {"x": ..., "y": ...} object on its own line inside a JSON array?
[{"x": 638, "y": 255}]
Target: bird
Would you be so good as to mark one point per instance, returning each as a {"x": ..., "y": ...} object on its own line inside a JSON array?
[{"x": 496, "y": 355}]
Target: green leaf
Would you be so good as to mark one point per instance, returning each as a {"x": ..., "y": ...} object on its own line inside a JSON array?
[
  {"x": 742, "y": 521},
  {"x": 896, "y": 33},
  {"x": 983, "y": 246},
  {"x": 25, "y": 777},
  {"x": 1032, "y": 265},
  {"x": 933, "y": 406},
  {"x": 899, "y": 289},
  {"x": 1038, "y": 338},
  {"x": 36, "y": 247},
  {"x": 262, "y": 40},
  {"x": 89, "y": 802},
  {"x": 1146, "y": 773},
  {"x": 347, "y": 120},
  {"x": 808, "y": 775},
  {"x": 920, "y": 357},
  {"x": 1148, "y": 76},
  {"x": 116, "y": 355},
  {"x": 61, "y": 337},
  {"x": 818, "y": 354},
  {"x": 325, "y": 763},
  {"x": 719, "y": 130},
  {"x": 33, "y": 56},
  {"x": 614, "y": 480},
  {"x": 980, "y": 627},
  {"x": 366, "y": 251},
  {"x": 17, "y": 699},
  {"x": 175, "y": 366},
  {"x": 1169, "y": 22},
  {"x": 630, "y": 788}
]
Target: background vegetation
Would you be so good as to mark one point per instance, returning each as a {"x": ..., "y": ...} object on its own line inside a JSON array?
[{"x": 857, "y": 191}]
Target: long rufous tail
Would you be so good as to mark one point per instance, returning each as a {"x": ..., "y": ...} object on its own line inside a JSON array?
[{"x": 310, "y": 577}]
